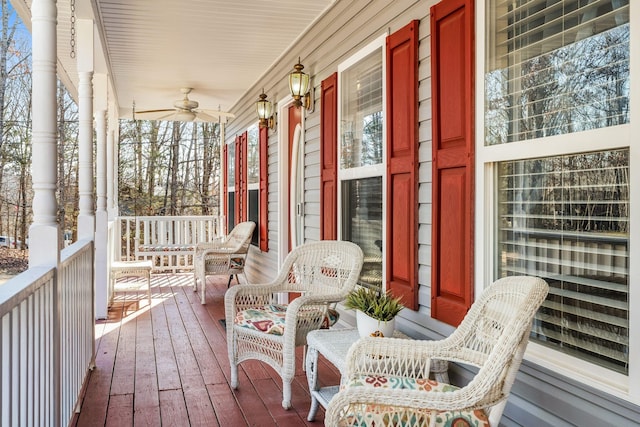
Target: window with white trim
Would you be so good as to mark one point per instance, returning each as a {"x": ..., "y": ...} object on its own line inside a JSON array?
[
  {"x": 231, "y": 186},
  {"x": 555, "y": 67},
  {"x": 556, "y": 72},
  {"x": 360, "y": 156}
]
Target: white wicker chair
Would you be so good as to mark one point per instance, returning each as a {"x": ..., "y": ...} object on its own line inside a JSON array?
[
  {"x": 323, "y": 273},
  {"x": 222, "y": 256},
  {"x": 492, "y": 337}
]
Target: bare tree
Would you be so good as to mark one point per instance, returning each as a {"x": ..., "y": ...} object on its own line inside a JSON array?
[
  {"x": 168, "y": 167},
  {"x": 11, "y": 61},
  {"x": 175, "y": 152}
]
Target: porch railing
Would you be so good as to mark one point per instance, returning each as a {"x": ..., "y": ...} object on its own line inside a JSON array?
[
  {"x": 168, "y": 241},
  {"x": 47, "y": 340}
]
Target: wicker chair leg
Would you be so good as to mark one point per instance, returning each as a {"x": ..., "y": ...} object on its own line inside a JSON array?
[
  {"x": 233, "y": 380},
  {"x": 203, "y": 283},
  {"x": 286, "y": 394}
]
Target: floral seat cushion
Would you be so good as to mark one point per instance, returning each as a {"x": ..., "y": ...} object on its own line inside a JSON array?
[
  {"x": 270, "y": 318},
  {"x": 371, "y": 414}
]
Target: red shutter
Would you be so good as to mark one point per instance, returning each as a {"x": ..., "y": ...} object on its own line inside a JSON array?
[
  {"x": 402, "y": 164},
  {"x": 244, "y": 190},
  {"x": 225, "y": 184},
  {"x": 329, "y": 161},
  {"x": 238, "y": 185},
  {"x": 452, "y": 34},
  {"x": 264, "y": 188}
]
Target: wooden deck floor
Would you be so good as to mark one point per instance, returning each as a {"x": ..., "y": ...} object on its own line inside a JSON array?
[{"x": 167, "y": 365}]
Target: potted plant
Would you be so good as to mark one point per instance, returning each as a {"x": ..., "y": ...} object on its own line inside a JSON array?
[{"x": 375, "y": 311}]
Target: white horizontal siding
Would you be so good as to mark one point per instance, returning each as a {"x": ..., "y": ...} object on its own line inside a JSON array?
[{"x": 539, "y": 397}]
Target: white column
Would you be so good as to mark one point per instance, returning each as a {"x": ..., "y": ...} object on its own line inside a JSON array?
[
  {"x": 113, "y": 137},
  {"x": 86, "y": 218},
  {"x": 101, "y": 160},
  {"x": 43, "y": 233},
  {"x": 111, "y": 203},
  {"x": 102, "y": 234}
]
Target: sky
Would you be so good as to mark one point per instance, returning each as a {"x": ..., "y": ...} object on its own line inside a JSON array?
[{"x": 22, "y": 33}]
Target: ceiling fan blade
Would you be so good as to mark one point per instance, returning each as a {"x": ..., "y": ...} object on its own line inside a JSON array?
[
  {"x": 155, "y": 114},
  {"x": 212, "y": 115},
  {"x": 184, "y": 111},
  {"x": 155, "y": 111}
]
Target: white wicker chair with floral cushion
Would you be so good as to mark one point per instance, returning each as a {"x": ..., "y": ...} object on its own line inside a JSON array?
[
  {"x": 260, "y": 328},
  {"x": 387, "y": 380},
  {"x": 226, "y": 256}
]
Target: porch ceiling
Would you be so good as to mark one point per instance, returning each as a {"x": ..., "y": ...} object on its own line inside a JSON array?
[{"x": 152, "y": 48}]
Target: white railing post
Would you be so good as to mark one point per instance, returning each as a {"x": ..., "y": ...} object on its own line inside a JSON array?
[
  {"x": 44, "y": 229},
  {"x": 101, "y": 236},
  {"x": 44, "y": 171},
  {"x": 86, "y": 218}
]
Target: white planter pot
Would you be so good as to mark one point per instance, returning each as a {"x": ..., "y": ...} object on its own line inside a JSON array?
[{"x": 367, "y": 325}]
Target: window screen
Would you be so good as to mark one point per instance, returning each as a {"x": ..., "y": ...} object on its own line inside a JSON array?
[
  {"x": 362, "y": 224},
  {"x": 555, "y": 67},
  {"x": 362, "y": 113},
  {"x": 566, "y": 219},
  {"x": 254, "y": 215},
  {"x": 253, "y": 156}
]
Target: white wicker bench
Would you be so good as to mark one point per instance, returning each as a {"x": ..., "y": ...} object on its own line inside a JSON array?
[
  {"x": 167, "y": 257},
  {"x": 169, "y": 242},
  {"x": 141, "y": 269}
]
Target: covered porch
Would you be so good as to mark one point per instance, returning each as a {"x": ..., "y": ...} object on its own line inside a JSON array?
[
  {"x": 66, "y": 357},
  {"x": 164, "y": 364}
]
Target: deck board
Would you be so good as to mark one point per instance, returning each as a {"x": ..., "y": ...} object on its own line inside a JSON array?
[
  {"x": 173, "y": 410},
  {"x": 167, "y": 365}
]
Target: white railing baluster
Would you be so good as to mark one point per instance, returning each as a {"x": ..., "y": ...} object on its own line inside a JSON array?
[
  {"x": 77, "y": 323},
  {"x": 41, "y": 378},
  {"x": 26, "y": 357}
]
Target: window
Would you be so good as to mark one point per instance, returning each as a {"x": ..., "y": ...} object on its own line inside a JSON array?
[
  {"x": 362, "y": 112},
  {"x": 231, "y": 186},
  {"x": 566, "y": 219},
  {"x": 243, "y": 188},
  {"x": 360, "y": 156},
  {"x": 555, "y": 68},
  {"x": 557, "y": 76},
  {"x": 362, "y": 223}
]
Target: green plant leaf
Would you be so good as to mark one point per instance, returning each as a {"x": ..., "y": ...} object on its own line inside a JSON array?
[{"x": 379, "y": 305}]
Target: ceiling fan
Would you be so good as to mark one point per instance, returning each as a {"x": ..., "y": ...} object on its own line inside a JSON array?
[{"x": 185, "y": 110}]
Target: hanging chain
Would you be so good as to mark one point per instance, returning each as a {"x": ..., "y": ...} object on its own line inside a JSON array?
[{"x": 73, "y": 29}]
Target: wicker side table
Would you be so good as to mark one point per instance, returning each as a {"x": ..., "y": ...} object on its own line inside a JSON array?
[
  {"x": 130, "y": 269},
  {"x": 334, "y": 344}
]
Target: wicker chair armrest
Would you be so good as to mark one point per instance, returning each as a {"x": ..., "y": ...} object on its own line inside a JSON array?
[
  {"x": 314, "y": 299},
  {"x": 298, "y": 324},
  {"x": 213, "y": 244},
  {"x": 203, "y": 248},
  {"x": 238, "y": 298},
  {"x": 218, "y": 252},
  {"x": 236, "y": 293},
  {"x": 293, "y": 309},
  {"x": 398, "y": 356}
]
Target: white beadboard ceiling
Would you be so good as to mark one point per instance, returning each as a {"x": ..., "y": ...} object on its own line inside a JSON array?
[{"x": 220, "y": 48}]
